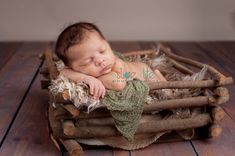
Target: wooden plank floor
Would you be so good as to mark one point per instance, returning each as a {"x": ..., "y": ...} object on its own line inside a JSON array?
[{"x": 23, "y": 122}]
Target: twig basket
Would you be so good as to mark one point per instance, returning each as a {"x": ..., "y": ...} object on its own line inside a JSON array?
[{"x": 205, "y": 110}]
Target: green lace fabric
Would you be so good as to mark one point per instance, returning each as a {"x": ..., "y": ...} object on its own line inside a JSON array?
[{"x": 126, "y": 106}]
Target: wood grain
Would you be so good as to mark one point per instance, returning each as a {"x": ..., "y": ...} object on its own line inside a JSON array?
[
  {"x": 7, "y": 50},
  {"x": 29, "y": 134},
  {"x": 15, "y": 78}
]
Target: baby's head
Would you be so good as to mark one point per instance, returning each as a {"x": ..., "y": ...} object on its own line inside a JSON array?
[{"x": 83, "y": 48}]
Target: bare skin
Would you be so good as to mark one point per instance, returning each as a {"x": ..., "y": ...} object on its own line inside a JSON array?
[{"x": 93, "y": 62}]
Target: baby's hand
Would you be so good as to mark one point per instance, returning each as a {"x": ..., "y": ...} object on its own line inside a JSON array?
[{"x": 97, "y": 88}]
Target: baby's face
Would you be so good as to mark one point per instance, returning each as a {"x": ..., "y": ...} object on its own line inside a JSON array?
[{"x": 93, "y": 56}]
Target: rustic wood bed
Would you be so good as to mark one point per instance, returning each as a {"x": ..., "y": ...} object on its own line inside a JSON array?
[{"x": 194, "y": 116}]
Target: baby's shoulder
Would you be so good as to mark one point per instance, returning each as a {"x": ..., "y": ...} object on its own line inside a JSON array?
[{"x": 139, "y": 65}]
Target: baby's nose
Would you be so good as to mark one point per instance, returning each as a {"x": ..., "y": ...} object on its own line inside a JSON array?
[{"x": 100, "y": 61}]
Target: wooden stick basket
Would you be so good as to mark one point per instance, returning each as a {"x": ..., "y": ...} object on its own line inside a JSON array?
[{"x": 203, "y": 120}]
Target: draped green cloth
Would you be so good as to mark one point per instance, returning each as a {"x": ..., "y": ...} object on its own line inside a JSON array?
[{"x": 126, "y": 106}]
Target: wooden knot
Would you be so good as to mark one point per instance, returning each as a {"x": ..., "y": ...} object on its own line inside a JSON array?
[
  {"x": 211, "y": 99},
  {"x": 215, "y": 130},
  {"x": 68, "y": 128},
  {"x": 73, "y": 147},
  {"x": 217, "y": 113},
  {"x": 222, "y": 95}
]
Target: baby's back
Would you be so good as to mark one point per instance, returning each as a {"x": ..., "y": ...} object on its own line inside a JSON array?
[{"x": 116, "y": 80}]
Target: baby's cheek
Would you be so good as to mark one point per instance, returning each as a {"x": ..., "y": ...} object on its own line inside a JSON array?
[
  {"x": 76, "y": 69},
  {"x": 94, "y": 71}
]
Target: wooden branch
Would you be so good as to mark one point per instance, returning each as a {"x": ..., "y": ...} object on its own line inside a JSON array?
[
  {"x": 72, "y": 110},
  {"x": 45, "y": 84},
  {"x": 145, "y": 127},
  {"x": 217, "y": 113},
  {"x": 215, "y": 130},
  {"x": 55, "y": 125},
  {"x": 188, "y": 84},
  {"x": 219, "y": 77},
  {"x": 223, "y": 95},
  {"x": 62, "y": 98},
  {"x": 181, "y": 67},
  {"x": 178, "y": 103},
  {"x": 73, "y": 147},
  {"x": 222, "y": 91},
  {"x": 110, "y": 121},
  {"x": 55, "y": 57},
  {"x": 41, "y": 56},
  {"x": 44, "y": 71},
  {"x": 184, "y": 103},
  {"x": 140, "y": 52},
  {"x": 96, "y": 122},
  {"x": 174, "y": 124},
  {"x": 159, "y": 105},
  {"x": 98, "y": 113},
  {"x": 61, "y": 113},
  {"x": 50, "y": 64},
  {"x": 68, "y": 127},
  {"x": 55, "y": 141}
]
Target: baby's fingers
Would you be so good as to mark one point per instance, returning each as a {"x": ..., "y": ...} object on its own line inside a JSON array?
[
  {"x": 103, "y": 91},
  {"x": 92, "y": 87},
  {"x": 96, "y": 92},
  {"x": 100, "y": 91}
]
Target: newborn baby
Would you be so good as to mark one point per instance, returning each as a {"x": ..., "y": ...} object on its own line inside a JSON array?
[{"x": 89, "y": 59}]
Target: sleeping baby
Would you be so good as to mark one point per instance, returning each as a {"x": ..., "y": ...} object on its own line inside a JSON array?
[{"x": 89, "y": 59}]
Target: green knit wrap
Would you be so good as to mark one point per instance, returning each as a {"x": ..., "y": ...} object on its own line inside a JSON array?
[{"x": 126, "y": 106}]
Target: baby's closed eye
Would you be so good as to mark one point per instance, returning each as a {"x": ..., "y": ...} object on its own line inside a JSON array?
[
  {"x": 87, "y": 62},
  {"x": 101, "y": 52}
]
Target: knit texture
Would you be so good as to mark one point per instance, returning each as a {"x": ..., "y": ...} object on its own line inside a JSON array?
[{"x": 126, "y": 106}]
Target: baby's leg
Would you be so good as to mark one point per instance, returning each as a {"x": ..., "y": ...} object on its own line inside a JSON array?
[
  {"x": 166, "y": 92},
  {"x": 159, "y": 75}
]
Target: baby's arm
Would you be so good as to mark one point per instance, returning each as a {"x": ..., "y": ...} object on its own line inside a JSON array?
[
  {"x": 97, "y": 89},
  {"x": 73, "y": 75},
  {"x": 112, "y": 82}
]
